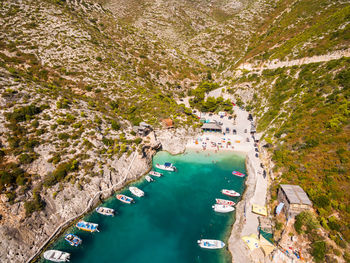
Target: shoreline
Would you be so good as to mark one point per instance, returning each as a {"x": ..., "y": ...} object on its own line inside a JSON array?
[
  {"x": 238, "y": 250},
  {"x": 246, "y": 222}
]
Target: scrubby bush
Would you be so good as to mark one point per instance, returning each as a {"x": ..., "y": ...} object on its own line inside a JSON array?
[
  {"x": 305, "y": 222},
  {"x": 60, "y": 172},
  {"x": 23, "y": 113},
  {"x": 36, "y": 204}
]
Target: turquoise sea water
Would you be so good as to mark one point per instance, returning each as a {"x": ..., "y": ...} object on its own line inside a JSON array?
[{"x": 164, "y": 226}]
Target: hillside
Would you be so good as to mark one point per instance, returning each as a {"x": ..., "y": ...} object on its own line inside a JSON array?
[{"x": 76, "y": 76}]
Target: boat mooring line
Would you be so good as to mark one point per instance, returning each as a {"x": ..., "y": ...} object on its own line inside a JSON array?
[{"x": 64, "y": 224}]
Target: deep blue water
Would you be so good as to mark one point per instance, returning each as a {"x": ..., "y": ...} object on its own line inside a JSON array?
[{"x": 164, "y": 226}]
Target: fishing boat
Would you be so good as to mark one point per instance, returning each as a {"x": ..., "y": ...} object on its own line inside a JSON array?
[
  {"x": 125, "y": 199},
  {"x": 136, "y": 191},
  {"x": 154, "y": 173},
  {"x": 149, "y": 178},
  {"x": 73, "y": 240},
  {"x": 211, "y": 243},
  {"x": 166, "y": 166},
  {"x": 56, "y": 256},
  {"x": 105, "y": 211},
  {"x": 223, "y": 208},
  {"x": 230, "y": 192},
  {"x": 86, "y": 226},
  {"x": 238, "y": 174},
  {"x": 224, "y": 202}
]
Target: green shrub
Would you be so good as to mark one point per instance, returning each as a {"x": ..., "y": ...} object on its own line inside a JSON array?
[
  {"x": 61, "y": 171},
  {"x": 305, "y": 222},
  {"x": 25, "y": 158},
  {"x": 36, "y": 204},
  {"x": 318, "y": 251},
  {"x": 23, "y": 113},
  {"x": 115, "y": 125}
]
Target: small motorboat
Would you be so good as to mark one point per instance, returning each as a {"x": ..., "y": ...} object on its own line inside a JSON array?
[
  {"x": 149, "y": 178},
  {"x": 125, "y": 199},
  {"x": 105, "y": 211},
  {"x": 73, "y": 240},
  {"x": 56, "y": 256},
  {"x": 238, "y": 174},
  {"x": 224, "y": 202},
  {"x": 154, "y": 173},
  {"x": 211, "y": 243},
  {"x": 223, "y": 208},
  {"x": 86, "y": 226},
  {"x": 136, "y": 191},
  {"x": 230, "y": 192},
  {"x": 166, "y": 166}
]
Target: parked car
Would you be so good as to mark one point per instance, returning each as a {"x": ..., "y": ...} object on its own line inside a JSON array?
[
  {"x": 234, "y": 131},
  {"x": 256, "y": 149},
  {"x": 227, "y": 129},
  {"x": 257, "y": 155},
  {"x": 247, "y": 139},
  {"x": 245, "y": 130}
]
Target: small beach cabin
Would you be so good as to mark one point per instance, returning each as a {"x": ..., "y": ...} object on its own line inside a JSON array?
[
  {"x": 211, "y": 127},
  {"x": 168, "y": 123},
  {"x": 143, "y": 129},
  {"x": 294, "y": 200}
]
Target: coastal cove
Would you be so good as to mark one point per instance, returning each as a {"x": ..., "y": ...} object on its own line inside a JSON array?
[{"x": 164, "y": 226}]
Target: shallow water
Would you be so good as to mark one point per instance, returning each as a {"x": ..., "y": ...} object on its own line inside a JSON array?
[{"x": 164, "y": 226}]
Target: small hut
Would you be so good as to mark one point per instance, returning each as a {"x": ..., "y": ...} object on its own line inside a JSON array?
[
  {"x": 211, "y": 127},
  {"x": 168, "y": 123},
  {"x": 293, "y": 200}
]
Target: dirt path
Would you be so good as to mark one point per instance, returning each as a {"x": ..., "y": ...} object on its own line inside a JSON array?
[{"x": 273, "y": 64}]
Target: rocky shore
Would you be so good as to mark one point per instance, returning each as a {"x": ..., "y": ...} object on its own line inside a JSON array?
[{"x": 23, "y": 237}]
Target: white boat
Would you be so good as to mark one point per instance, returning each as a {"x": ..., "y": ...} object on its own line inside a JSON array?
[
  {"x": 56, "y": 256},
  {"x": 223, "y": 208},
  {"x": 166, "y": 166},
  {"x": 149, "y": 178},
  {"x": 224, "y": 202},
  {"x": 211, "y": 243},
  {"x": 105, "y": 211},
  {"x": 125, "y": 199},
  {"x": 154, "y": 173},
  {"x": 230, "y": 192},
  {"x": 136, "y": 191}
]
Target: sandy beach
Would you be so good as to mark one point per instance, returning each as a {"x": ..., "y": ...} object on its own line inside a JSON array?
[{"x": 256, "y": 185}]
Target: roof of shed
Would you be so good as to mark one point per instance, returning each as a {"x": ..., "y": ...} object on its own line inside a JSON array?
[{"x": 295, "y": 194}]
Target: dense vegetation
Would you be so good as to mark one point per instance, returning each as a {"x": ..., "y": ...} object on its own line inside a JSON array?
[
  {"x": 307, "y": 115},
  {"x": 308, "y": 28},
  {"x": 209, "y": 104}
]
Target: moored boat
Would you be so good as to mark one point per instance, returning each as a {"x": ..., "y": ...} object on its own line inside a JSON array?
[
  {"x": 224, "y": 202},
  {"x": 86, "y": 226},
  {"x": 230, "y": 192},
  {"x": 211, "y": 243},
  {"x": 125, "y": 199},
  {"x": 154, "y": 173},
  {"x": 223, "y": 208},
  {"x": 238, "y": 174},
  {"x": 149, "y": 178},
  {"x": 136, "y": 191},
  {"x": 166, "y": 166},
  {"x": 105, "y": 211},
  {"x": 73, "y": 240},
  {"x": 56, "y": 256}
]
